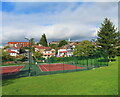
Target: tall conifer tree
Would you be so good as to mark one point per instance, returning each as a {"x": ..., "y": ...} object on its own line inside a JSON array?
[
  {"x": 43, "y": 40},
  {"x": 107, "y": 38}
]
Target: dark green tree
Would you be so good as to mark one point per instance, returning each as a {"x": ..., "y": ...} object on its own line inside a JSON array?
[
  {"x": 37, "y": 54},
  {"x": 118, "y": 44},
  {"x": 107, "y": 38},
  {"x": 62, "y": 42},
  {"x": 6, "y": 47},
  {"x": 32, "y": 41},
  {"x": 53, "y": 46},
  {"x": 43, "y": 40},
  {"x": 23, "y": 49},
  {"x": 85, "y": 48},
  {"x": 6, "y": 56}
]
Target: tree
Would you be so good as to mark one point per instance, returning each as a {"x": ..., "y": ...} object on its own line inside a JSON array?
[
  {"x": 23, "y": 49},
  {"x": 85, "y": 48},
  {"x": 32, "y": 41},
  {"x": 62, "y": 42},
  {"x": 43, "y": 40},
  {"x": 6, "y": 47},
  {"x": 6, "y": 56},
  {"x": 107, "y": 38},
  {"x": 54, "y": 46},
  {"x": 37, "y": 55},
  {"x": 118, "y": 44}
]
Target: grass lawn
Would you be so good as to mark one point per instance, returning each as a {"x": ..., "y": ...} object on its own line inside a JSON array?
[{"x": 100, "y": 81}]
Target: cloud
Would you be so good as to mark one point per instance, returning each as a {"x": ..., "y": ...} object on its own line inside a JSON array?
[{"x": 78, "y": 24}]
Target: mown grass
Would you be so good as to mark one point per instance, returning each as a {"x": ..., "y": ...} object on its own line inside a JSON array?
[{"x": 99, "y": 81}]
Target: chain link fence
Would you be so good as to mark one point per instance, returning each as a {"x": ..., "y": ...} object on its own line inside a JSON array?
[{"x": 54, "y": 65}]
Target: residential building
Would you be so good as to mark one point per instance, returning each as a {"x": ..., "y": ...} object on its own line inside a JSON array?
[
  {"x": 62, "y": 52},
  {"x": 18, "y": 45},
  {"x": 54, "y": 42},
  {"x": 48, "y": 53},
  {"x": 66, "y": 51},
  {"x": 70, "y": 49},
  {"x": 40, "y": 48},
  {"x": 12, "y": 49},
  {"x": 13, "y": 53}
]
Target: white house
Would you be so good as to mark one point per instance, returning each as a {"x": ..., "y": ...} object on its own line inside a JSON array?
[
  {"x": 62, "y": 53},
  {"x": 13, "y": 53},
  {"x": 48, "y": 53},
  {"x": 70, "y": 49},
  {"x": 13, "y": 49},
  {"x": 66, "y": 51},
  {"x": 40, "y": 48}
]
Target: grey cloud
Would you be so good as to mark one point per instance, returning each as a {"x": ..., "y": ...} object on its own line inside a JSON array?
[{"x": 79, "y": 24}]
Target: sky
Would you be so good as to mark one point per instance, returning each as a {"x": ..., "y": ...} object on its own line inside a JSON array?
[{"x": 58, "y": 20}]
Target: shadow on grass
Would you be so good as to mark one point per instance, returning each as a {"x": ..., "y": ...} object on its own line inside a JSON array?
[
  {"x": 6, "y": 82},
  {"x": 19, "y": 74},
  {"x": 9, "y": 78}
]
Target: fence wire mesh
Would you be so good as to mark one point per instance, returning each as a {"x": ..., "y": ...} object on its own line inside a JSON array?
[{"x": 55, "y": 65}]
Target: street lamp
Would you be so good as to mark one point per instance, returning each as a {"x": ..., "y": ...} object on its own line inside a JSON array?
[{"x": 29, "y": 39}]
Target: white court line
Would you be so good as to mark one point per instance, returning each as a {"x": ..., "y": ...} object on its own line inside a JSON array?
[
  {"x": 40, "y": 68},
  {"x": 12, "y": 71},
  {"x": 44, "y": 67},
  {"x": 21, "y": 68},
  {"x": 16, "y": 69}
]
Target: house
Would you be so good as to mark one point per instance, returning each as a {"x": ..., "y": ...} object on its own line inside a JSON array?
[
  {"x": 70, "y": 49},
  {"x": 62, "y": 52},
  {"x": 12, "y": 49},
  {"x": 48, "y": 53},
  {"x": 54, "y": 42},
  {"x": 17, "y": 45},
  {"x": 40, "y": 48},
  {"x": 66, "y": 51},
  {"x": 13, "y": 53}
]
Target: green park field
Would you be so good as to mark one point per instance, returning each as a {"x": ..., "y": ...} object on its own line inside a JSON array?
[{"x": 99, "y": 81}]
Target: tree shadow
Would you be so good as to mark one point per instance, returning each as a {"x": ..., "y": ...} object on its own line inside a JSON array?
[
  {"x": 9, "y": 78},
  {"x": 23, "y": 73},
  {"x": 7, "y": 82}
]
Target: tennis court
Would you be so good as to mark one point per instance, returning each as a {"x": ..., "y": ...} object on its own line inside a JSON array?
[
  {"x": 10, "y": 69},
  {"x": 58, "y": 67},
  {"x": 54, "y": 66}
]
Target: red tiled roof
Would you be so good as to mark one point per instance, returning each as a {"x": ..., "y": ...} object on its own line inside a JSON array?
[
  {"x": 52, "y": 50},
  {"x": 42, "y": 47},
  {"x": 16, "y": 47},
  {"x": 12, "y": 52},
  {"x": 63, "y": 51},
  {"x": 49, "y": 54},
  {"x": 16, "y": 42}
]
